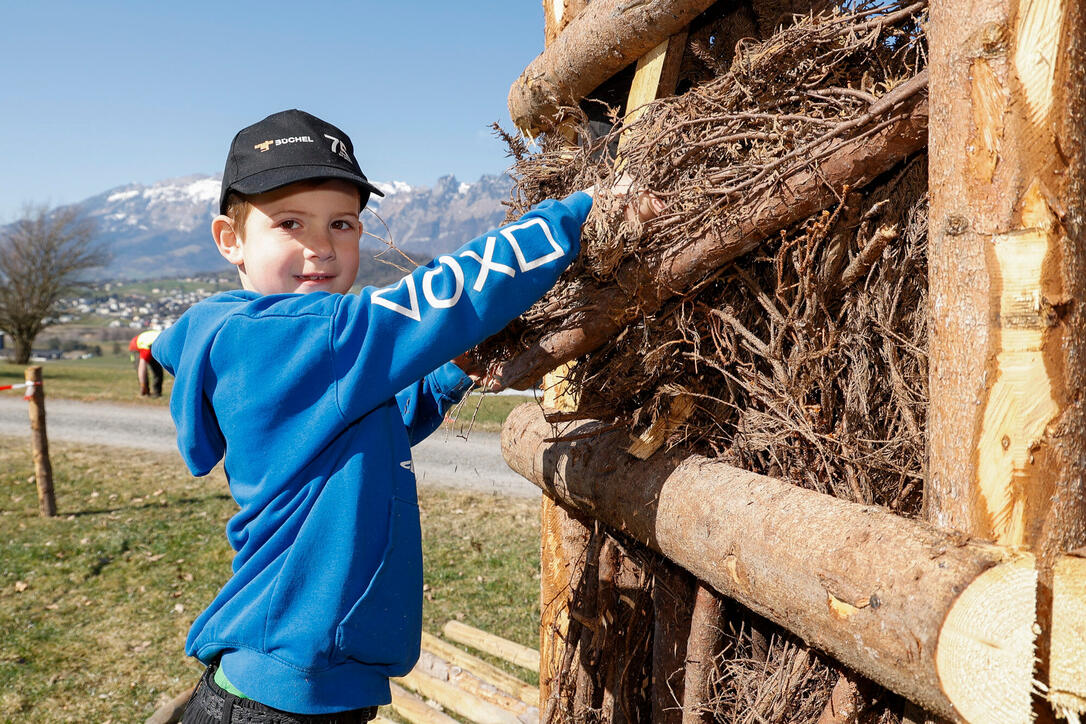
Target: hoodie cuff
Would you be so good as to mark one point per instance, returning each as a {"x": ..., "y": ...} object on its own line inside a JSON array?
[{"x": 451, "y": 381}]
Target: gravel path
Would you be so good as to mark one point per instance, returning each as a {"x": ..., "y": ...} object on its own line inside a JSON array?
[{"x": 442, "y": 460}]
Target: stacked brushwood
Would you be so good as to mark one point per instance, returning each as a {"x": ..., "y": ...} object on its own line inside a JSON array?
[{"x": 804, "y": 357}]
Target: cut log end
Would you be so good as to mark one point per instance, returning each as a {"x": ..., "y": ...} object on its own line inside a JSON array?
[
  {"x": 985, "y": 654},
  {"x": 1067, "y": 666}
]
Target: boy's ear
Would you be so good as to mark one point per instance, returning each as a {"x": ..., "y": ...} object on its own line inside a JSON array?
[{"x": 226, "y": 239}]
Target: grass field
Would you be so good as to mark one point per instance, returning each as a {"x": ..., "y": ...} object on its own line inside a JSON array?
[
  {"x": 95, "y": 603},
  {"x": 112, "y": 378}
]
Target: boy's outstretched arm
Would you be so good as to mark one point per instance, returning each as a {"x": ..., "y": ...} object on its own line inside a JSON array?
[{"x": 384, "y": 340}]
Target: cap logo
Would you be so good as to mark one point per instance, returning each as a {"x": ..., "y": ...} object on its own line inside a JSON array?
[
  {"x": 265, "y": 145},
  {"x": 338, "y": 146}
]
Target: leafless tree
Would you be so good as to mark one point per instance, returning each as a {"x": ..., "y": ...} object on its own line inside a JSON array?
[{"x": 41, "y": 258}]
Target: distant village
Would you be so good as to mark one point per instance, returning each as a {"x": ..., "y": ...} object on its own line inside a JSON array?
[{"x": 113, "y": 312}]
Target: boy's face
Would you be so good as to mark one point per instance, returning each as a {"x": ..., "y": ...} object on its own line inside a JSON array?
[{"x": 298, "y": 239}]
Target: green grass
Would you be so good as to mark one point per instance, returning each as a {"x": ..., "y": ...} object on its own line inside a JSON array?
[
  {"x": 110, "y": 378},
  {"x": 95, "y": 603}
]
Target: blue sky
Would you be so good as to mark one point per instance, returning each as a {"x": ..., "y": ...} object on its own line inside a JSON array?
[{"x": 99, "y": 94}]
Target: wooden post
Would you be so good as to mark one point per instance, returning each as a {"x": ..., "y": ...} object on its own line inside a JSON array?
[
  {"x": 702, "y": 647},
  {"x": 39, "y": 443},
  {"x": 1007, "y": 279},
  {"x": 672, "y": 602}
]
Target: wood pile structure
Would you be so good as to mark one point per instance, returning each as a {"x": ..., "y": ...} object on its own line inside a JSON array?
[{"x": 813, "y": 439}]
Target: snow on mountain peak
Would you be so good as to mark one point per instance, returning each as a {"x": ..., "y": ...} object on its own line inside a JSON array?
[{"x": 391, "y": 188}]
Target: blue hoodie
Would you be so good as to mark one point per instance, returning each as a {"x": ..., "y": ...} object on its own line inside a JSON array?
[{"x": 313, "y": 402}]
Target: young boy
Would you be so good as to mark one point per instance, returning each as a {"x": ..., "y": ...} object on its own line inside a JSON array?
[{"x": 312, "y": 396}]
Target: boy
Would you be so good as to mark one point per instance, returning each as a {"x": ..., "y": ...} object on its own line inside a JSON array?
[{"x": 312, "y": 397}]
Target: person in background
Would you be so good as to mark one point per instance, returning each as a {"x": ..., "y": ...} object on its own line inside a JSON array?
[{"x": 141, "y": 343}]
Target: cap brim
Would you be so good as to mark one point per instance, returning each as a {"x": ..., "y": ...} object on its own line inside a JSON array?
[{"x": 276, "y": 178}]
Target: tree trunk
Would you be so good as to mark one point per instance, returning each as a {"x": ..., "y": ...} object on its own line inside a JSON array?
[
  {"x": 885, "y": 595},
  {"x": 604, "y": 38},
  {"x": 801, "y": 193}
]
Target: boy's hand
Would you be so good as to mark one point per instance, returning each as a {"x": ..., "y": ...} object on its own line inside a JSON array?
[
  {"x": 642, "y": 206},
  {"x": 478, "y": 374}
]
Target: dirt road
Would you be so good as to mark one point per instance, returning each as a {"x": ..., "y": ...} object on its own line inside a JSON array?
[{"x": 443, "y": 460}]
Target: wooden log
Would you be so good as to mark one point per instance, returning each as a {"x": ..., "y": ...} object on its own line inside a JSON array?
[
  {"x": 1007, "y": 261},
  {"x": 802, "y": 192},
  {"x": 1067, "y": 665},
  {"x": 482, "y": 670},
  {"x": 557, "y": 14},
  {"x": 414, "y": 709},
  {"x": 492, "y": 644},
  {"x": 672, "y": 606},
  {"x": 848, "y": 702},
  {"x": 172, "y": 711},
  {"x": 702, "y": 647},
  {"x": 912, "y": 608},
  {"x": 39, "y": 443},
  {"x": 604, "y": 38}
]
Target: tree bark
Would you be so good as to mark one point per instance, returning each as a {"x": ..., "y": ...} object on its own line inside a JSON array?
[
  {"x": 604, "y": 38},
  {"x": 642, "y": 288},
  {"x": 884, "y": 595}
]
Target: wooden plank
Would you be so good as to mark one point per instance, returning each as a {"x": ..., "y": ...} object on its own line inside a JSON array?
[
  {"x": 844, "y": 577},
  {"x": 457, "y": 700},
  {"x": 487, "y": 672},
  {"x": 656, "y": 75},
  {"x": 414, "y": 709},
  {"x": 492, "y": 644},
  {"x": 433, "y": 665}
]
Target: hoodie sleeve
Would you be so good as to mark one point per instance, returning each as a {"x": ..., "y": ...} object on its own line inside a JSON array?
[
  {"x": 383, "y": 340},
  {"x": 423, "y": 404}
]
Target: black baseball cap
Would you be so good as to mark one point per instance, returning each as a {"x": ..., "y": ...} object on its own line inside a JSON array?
[{"x": 288, "y": 147}]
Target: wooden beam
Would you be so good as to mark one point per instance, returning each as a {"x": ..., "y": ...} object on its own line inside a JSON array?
[
  {"x": 604, "y": 38},
  {"x": 914, "y": 609},
  {"x": 804, "y": 190},
  {"x": 492, "y": 644}
]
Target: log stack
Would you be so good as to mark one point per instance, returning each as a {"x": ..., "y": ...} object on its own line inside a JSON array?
[{"x": 775, "y": 318}]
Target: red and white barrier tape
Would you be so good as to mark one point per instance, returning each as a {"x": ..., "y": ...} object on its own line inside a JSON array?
[{"x": 28, "y": 385}]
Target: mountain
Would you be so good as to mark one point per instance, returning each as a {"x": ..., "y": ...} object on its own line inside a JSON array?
[{"x": 163, "y": 230}]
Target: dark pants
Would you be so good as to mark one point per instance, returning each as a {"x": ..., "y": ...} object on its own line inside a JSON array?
[
  {"x": 156, "y": 376},
  {"x": 211, "y": 705}
]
